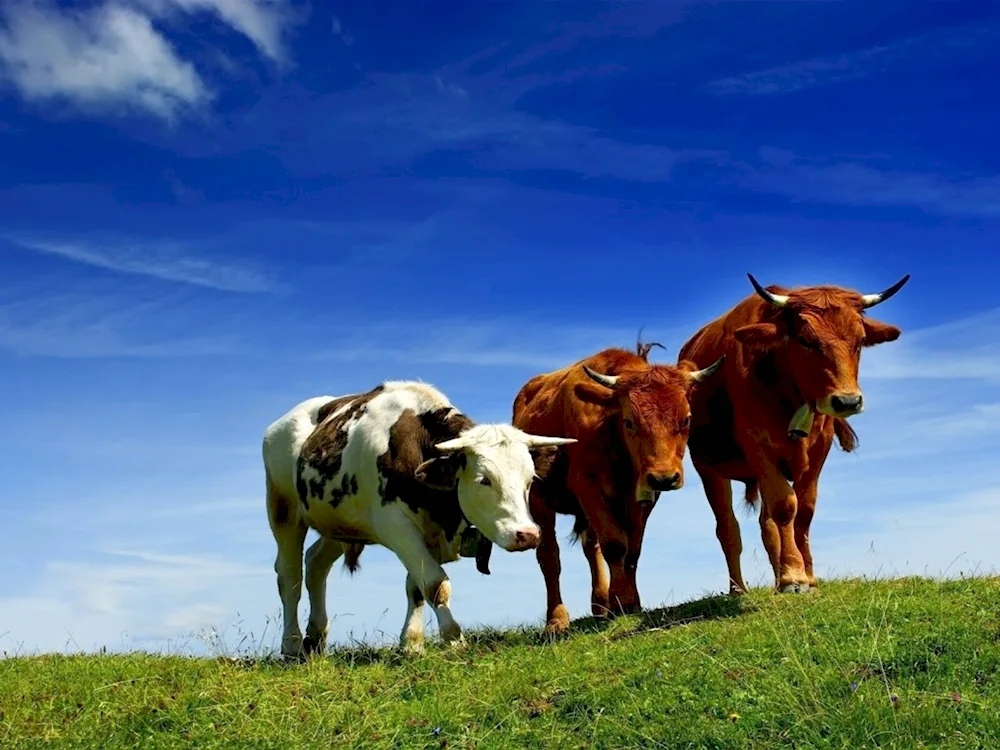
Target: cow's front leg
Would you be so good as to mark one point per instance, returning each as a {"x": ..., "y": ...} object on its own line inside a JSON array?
[
  {"x": 412, "y": 637},
  {"x": 778, "y": 509},
  {"x": 428, "y": 576},
  {"x": 806, "y": 491}
]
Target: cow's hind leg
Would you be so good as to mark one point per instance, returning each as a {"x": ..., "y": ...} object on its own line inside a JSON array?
[
  {"x": 320, "y": 558},
  {"x": 599, "y": 581},
  {"x": 290, "y": 535},
  {"x": 719, "y": 492}
]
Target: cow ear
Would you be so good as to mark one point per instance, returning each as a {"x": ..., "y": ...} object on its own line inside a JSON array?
[
  {"x": 879, "y": 333},
  {"x": 758, "y": 335},
  {"x": 543, "y": 457},
  {"x": 441, "y": 472},
  {"x": 591, "y": 393}
]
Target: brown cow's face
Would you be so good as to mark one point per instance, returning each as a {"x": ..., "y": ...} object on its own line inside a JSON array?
[
  {"x": 653, "y": 416},
  {"x": 654, "y": 420},
  {"x": 823, "y": 330}
]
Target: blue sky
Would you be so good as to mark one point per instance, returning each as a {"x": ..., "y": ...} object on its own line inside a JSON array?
[{"x": 210, "y": 211}]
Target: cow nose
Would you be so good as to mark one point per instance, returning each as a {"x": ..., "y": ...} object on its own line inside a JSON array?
[
  {"x": 847, "y": 404},
  {"x": 663, "y": 482},
  {"x": 525, "y": 539}
]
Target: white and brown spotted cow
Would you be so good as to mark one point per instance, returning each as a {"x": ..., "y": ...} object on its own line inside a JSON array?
[{"x": 401, "y": 467}]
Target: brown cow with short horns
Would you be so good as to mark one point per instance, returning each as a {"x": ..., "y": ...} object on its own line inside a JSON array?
[
  {"x": 630, "y": 420},
  {"x": 789, "y": 386}
]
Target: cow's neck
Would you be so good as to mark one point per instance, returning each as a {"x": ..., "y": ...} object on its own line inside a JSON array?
[
  {"x": 776, "y": 387},
  {"x": 623, "y": 478}
]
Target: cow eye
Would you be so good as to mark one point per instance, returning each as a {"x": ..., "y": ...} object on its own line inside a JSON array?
[
  {"x": 629, "y": 424},
  {"x": 806, "y": 344},
  {"x": 686, "y": 422},
  {"x": 485, "y": 481}
]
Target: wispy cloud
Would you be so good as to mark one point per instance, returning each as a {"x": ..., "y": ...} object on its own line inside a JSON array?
[
  {"x": 966, "y": 349},
  {"x": 111, "y": 57},
  {"x": 73, "y": 327},
  {"x": 921, "y": 50},
  {"x": 394, "y": 119},
  {"x": 516, "y": 343},
  {"x": 165, "y": 261},
  {"x": 857, "y": 183},
  {"x": 340, "y": 32}
]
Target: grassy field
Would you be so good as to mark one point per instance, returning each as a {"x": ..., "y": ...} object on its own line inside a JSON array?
[{"x": 906, "y": 663}]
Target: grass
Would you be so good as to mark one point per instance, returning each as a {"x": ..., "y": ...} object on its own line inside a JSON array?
[{"x": 907, "y": 663}]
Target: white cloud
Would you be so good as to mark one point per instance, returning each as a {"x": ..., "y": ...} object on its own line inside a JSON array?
[
  {"x": 111, "y": 57},
  {"x": 164, "y": 261},
  {"x": 263, "y": 22}
]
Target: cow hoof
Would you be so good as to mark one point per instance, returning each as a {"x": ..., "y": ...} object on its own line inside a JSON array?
[
  {"x": 292, "y": 649},
  {"x": 313, "y": 645},
  {"x": 412, "y": 647},
  {"x": 600, "y": 608},
  {"x": 794, "y": 588},
  {"x": 556, "y": 627}
]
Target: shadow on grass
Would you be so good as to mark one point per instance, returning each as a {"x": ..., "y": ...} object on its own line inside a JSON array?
[
  {"x": 489, "y": 640},
  {"x": 716, "y": 607}
]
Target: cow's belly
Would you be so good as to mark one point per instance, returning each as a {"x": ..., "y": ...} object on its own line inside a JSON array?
[{"x": 349, "y": 521}]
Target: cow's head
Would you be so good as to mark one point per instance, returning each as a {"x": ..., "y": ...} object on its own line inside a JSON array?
[
  {"x": 823, "y": 330},
  {"x": 653, "y": 418},
  {"x": 492, "y": 467}
]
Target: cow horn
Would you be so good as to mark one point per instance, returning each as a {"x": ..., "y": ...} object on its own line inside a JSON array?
[
  {"x": 539, "y": 441},
  {"x": 455, "y": 444},
  {"x": 608, "y": 381},
  {"x": 778, "y": 300},
  {"x": 699, "y": 375},
  {"x": 870, "y": 300}
]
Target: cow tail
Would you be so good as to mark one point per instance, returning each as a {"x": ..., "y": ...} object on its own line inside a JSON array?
[
  {"x": 351, "y": 557},
  {"x": 752, "y": 493},
  {"x": 846, "y": 435},
  {"x": 580, "y": 525}
]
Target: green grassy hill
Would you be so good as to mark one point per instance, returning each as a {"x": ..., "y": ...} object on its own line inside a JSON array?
[{"x": 906, "y": 663}]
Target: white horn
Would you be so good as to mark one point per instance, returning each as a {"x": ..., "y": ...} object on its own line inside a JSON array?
[
  {"x": 449, "y": 446},
  {"x": 700, "y": 375},
  {"x": 608, "y": 381},
  {"x": 538, "y": 441},
  {"x": 870, "y": 300},
  {"x": 778, "y": 300}
]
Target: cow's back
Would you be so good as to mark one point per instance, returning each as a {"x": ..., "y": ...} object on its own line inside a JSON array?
[
  {"x": 547, "y": 404},
  {"x": 284, "y": 438}
]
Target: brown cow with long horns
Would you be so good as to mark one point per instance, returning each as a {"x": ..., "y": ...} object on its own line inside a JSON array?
[
  {"x": 630, "y": 420},
  {"x": 790, "y": 383}
]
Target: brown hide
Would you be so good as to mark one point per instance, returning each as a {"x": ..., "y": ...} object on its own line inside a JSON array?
[
  {"x": 777, "y": 358},
  {"x": 631, "y": 441}
]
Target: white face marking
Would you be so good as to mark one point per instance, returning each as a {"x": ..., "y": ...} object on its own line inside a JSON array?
[{"x": 493, "y": 486}]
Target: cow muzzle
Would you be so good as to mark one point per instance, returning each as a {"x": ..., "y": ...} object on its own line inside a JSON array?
[
  {"x": 843, "y": 404},
  {"x": 664, "y": 482},
  {"x": 524, "y": 539}
]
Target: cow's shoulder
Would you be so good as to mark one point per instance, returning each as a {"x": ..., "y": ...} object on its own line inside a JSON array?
[{"x": 412, "y": 437}]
